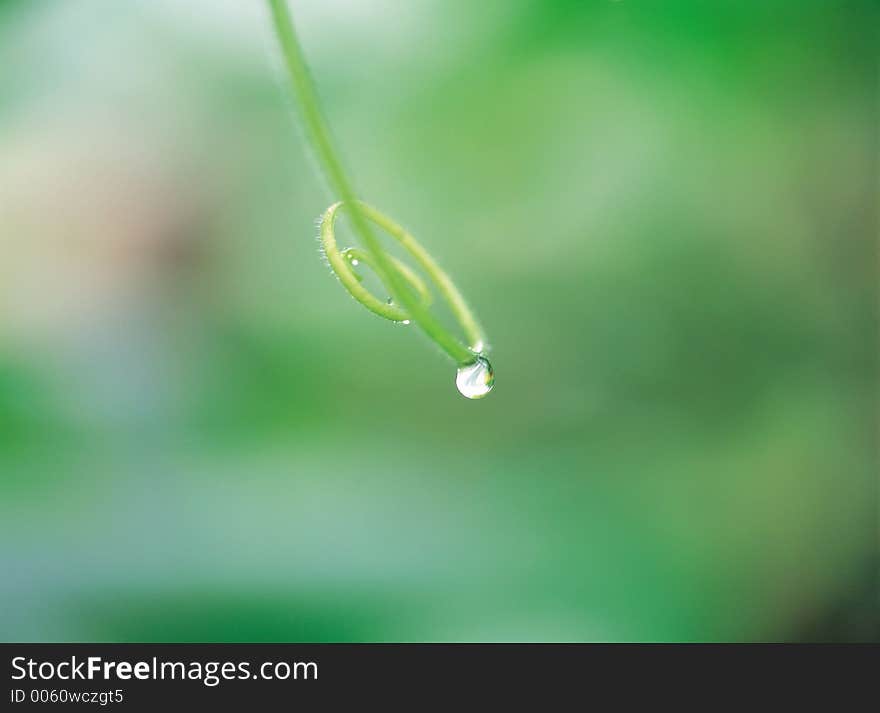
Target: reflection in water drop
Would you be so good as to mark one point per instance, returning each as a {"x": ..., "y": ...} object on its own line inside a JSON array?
[
  {"x": 476, "y": 379},
  {"x": 406, "y": 321}
]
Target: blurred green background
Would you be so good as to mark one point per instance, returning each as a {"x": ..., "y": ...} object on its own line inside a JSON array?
[{"x": 664, "y": 213}]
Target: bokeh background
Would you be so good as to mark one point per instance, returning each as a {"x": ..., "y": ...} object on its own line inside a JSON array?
[{"x": 664, "y": 213}]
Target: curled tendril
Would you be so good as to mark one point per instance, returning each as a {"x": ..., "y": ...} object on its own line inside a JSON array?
[
  {"x": 342, "y": 263},
  {"x": 412, "y": 299}
]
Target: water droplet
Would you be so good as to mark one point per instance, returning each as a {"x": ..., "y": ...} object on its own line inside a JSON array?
[
  {"x": 355, "y": 261},
  {"x": 406, "y": 321},
  {"x": 476, "y": 379}
]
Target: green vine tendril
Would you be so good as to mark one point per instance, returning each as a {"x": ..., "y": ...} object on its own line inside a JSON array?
[{"x": 411, "y": 298}]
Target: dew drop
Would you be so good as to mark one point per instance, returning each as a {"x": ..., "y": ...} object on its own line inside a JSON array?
[
  {"x": 476, "y": 379},
  {"x": 405, "y": 321},
  {"x": 355, "y": 261}
]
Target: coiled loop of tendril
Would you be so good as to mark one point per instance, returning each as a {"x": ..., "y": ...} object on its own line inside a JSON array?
[{"x": 343, "y": 261}]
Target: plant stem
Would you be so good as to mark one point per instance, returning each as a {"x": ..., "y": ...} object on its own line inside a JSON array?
[{"x": 319, "y": 137}]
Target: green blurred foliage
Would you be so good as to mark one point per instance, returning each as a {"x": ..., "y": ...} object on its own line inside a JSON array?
[{"x": 664, "y": 214}]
